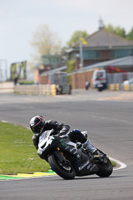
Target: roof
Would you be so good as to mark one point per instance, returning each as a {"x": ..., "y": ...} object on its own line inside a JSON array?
[
  {"x": 125, "y": 61},
  {"x": 103, "y": 38},
  {"x": 53, "y": 71}
]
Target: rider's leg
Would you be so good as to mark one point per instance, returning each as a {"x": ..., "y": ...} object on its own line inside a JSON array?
[
  {"x": 76, "y": 135},
  {"x": 89, "y": 146}
]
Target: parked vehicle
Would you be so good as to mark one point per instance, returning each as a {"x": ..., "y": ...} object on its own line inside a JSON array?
[
  {"x": 60, "y": 153},
  {"x": 127, "y": 82},
  {"x": 99, "y": 79}
]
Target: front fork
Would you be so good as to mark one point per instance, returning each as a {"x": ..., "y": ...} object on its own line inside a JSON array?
[{"x": 59, "y": 155}]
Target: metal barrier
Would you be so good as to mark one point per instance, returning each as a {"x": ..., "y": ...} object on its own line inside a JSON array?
[
  {"x": 35, "y": 89},
  {"x": 114, "y": 86},
  {"x": 117, "y": 86}
]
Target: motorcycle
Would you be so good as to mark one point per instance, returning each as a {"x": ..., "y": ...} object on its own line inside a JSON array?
[{"x": 69, "y": 159}]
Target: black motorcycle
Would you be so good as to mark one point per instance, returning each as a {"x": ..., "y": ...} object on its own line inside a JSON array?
[{"x": 69, "y": 159}]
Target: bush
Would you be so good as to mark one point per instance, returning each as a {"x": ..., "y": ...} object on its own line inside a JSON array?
[{"x": 25, "y": 82}]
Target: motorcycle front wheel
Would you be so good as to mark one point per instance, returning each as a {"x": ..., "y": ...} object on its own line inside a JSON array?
[
  {"x": 64, "y": 170},
  {"x": 105, "y": 168}
]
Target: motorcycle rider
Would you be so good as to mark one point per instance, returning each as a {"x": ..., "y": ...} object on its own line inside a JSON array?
[{"x": 38, "y": 125}]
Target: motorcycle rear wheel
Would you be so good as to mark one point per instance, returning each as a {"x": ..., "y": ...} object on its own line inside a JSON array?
[{"x": 65, "y": 171}]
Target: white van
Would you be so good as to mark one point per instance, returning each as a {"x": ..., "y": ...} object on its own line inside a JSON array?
[{"x": 99, "y": 78}]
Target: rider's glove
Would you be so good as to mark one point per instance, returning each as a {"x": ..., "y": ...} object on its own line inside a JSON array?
[{"x": 64, "y": 130}]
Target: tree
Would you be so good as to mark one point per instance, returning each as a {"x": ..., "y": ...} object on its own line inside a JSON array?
[
  {"x": 130, "y": 35},
  {"x": 70, "y": 69},
  {"x": 120, "y": 31},
  {"x": 76, "y": 37},
  {"x": 116, "y": 30},
  {"x": 45, "y": 42},
  {"x": 109, "y": 28}
]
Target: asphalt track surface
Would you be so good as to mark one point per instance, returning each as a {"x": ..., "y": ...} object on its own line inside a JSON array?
[{"x": 108, "y": 117}]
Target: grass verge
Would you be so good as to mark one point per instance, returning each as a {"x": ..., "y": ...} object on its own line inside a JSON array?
[
  {"x": 17, "y": 153},
  {"x": 114, "y": 164}
]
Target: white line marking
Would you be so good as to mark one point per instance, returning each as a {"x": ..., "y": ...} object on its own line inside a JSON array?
[
  {"x": 4, "y": 121},
  {"x": 121, "y": 164},
  {"x": 27, "y": 178}
]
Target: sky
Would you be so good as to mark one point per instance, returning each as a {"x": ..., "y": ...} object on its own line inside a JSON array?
[{"x": 19, "y": 19}]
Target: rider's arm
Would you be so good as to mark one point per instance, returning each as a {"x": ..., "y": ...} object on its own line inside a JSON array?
[
  {"x": 60, "y": 129},
  {"x": 64, "y": 129}
]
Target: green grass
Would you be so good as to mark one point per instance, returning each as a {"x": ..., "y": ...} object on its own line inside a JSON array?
[
  {"x": 17, "y": 152},
  {"x": 114, "y": 164}
]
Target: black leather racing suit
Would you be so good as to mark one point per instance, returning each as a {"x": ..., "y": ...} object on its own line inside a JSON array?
[{"x": 60, "y": 129}]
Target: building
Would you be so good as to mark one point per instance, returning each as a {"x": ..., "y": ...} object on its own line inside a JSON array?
[
  {"x": 51, "y": 61},
  {"x": 48, "y": 62},
  {"x": 101, "y": 46}
]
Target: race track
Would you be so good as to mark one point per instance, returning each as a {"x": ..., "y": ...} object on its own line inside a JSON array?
[{"x": 110, "y": 127}]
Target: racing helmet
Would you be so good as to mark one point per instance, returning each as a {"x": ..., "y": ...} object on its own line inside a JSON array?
[{"x": 37, "y": 124}]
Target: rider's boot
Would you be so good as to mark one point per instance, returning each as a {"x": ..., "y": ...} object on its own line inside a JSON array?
[{"x": 90, "y": 148}]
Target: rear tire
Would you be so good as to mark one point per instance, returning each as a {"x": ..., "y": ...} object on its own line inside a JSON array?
[{"x": 63, "y": 171}]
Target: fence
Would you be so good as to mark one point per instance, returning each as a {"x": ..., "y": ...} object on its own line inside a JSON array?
[
  {"x": 119, "y": 77},
  {"x": 35, "y": 89},
  {"x": 6, "y": 87},
  {"x": 115, "y": 81}
]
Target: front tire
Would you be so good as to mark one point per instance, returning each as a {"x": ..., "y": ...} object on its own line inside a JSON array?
[
  {"x": 66, "y": 172},
  {"x": 105, "y": 168}
]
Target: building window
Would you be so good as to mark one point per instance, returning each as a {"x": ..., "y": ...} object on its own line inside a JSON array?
[
  {"x": 98, "y": 54},
  {"x": 120, "y": 53},
  {"x": 71, "y": 56},
  {"x": 53, "y": 61},
  {"x": 89, "y": 55},
  {"x": 46, "y": 61}
]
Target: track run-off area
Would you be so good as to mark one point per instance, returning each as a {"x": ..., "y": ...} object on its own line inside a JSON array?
[
  {"x": 119, "y": 166},
  {"x": 108, "y": 118}
]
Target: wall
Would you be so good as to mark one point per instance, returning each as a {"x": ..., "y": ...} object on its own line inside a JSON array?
[
  {"x": 6, "y": 87},
  {"x": 43, "y": 79},
  {"x": 79, "y": 79}
]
